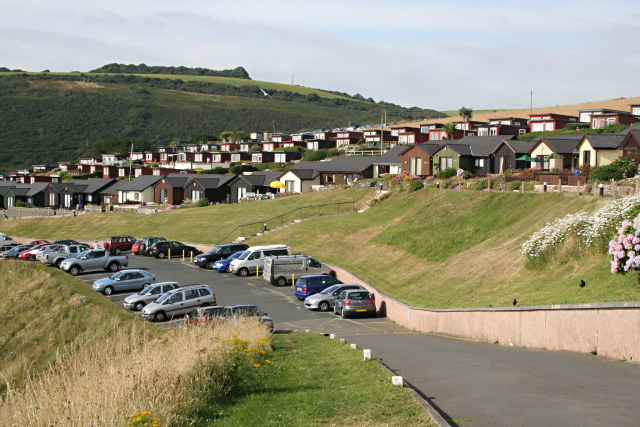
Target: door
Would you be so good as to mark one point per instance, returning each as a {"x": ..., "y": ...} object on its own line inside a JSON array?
[
  {"x": 501, "y": 164},
  {"x": 241, "y": 192},
  {"x": 192, "y": 300}
]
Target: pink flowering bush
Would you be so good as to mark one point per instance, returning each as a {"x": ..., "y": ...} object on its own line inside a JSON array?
[
  {"x": 406, "y": 176},
  {"x": 625, "y": 250}
]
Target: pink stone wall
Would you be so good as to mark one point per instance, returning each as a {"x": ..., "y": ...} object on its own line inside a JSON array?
[{"x": 610, "y": 329}]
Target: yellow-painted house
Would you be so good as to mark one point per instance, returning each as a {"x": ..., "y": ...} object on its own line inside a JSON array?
[
  {"x": 600, "y": 149},
  {"x": 556, "y": 153}
]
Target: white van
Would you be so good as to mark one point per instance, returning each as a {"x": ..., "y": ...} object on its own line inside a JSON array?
[
  {"x": 282, "y": 270},
  {"x": 252, "y": 260}
]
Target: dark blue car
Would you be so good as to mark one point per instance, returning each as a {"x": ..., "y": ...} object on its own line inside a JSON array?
[
  {"x": 309, "y": 285},
  {"x": 223, "y": 265}
]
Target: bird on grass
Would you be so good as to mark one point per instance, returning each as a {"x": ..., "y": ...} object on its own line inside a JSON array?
[
  {"x": 582, "y": 283},
  {"x": 515, "y": 301}
]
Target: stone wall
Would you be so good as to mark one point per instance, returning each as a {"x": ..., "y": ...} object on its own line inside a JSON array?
[{"x": 610, "y": 329}]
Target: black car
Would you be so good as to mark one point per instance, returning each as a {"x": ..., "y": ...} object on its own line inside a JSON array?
[
  {"x": 148, "y": 242},
  {"x": 208, "y": 260},
  {"x": 171, "y": 249},
  {"x": 66, "y": 242}
]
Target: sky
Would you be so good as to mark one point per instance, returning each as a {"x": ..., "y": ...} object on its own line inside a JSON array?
[{"x": 433, "y": 54}]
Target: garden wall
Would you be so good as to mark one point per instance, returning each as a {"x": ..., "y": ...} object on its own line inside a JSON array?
[{"x": 610, "y": 329}]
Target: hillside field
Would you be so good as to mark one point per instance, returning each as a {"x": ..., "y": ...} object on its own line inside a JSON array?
[{"x": 430, "y": 248}]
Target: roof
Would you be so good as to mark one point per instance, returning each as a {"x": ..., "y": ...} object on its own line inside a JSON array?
[
  {"x": 519, "y": 147},
  {"x": 211, "y": 180},
  {"x": 176, "y": 179},
  {"x": 92, "y": 185},
  {"x": 392, "y": 156},
  {"x": 605, "y": 141},
  {"x": 482, "y": 146},
  {"x": 461, "y": 149},
  {"x": 351, "y": 164},
  {"x": 113, "y": 188},
  {"x": 561, "y": 146},
  {"x": 263, "y": 178},
  {"x": 139, "y": 183}
]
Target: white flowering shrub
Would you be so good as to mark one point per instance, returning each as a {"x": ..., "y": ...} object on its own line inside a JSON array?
[{"x": 588, "y": 228}]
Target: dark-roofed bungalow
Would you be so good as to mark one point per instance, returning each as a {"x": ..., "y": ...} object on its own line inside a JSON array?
[
  {"x": 630, "y": 146},
  {"x": 301, "y": 177},
  {"x": 456, "y": 156},
  {"x": 261, "y": 181},
  {"x": 600, "y": 149},
  {"x": 138, "y": 190},
  {"x": 482, "y": 150},
  {"x": 346, "y": 170},
  {"x": 506, "y": 153},
  {"x": 562, "y": 145},
  {"x": 416, "y": 159},
  {"x": 389, "y": 162},
  {"x": 87, "y": 191},
  {"x": 170, "y": 189},
  {"x": 214, "y": 188}
]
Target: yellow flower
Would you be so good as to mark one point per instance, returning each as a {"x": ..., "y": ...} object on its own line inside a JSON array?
[
  {"x": 257, "y": 365},
  {"x": 269, "y": 362}
]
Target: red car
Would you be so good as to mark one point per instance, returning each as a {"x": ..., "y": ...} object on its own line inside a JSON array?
[
  {"x": 39, "y": 242},
  {"x": 30, "y": 254},
  {"x": 118, "y": 244},
  {"x": 136, "y": 248}
]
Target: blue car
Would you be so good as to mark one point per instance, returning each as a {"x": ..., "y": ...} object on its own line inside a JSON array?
[
  {"x": 309, "y": 285},
  {"x": 223, "y": 265}
]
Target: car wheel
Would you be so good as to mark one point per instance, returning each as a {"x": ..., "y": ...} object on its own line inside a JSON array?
[
  {"x": 323, "y": 306},
  {"x": 57, "y": 263},
  {"x": 243, "y": 272},
  {"x": 210, "y": 265},
  {"x": 160, "y": 316},
  {"x": 31, "y": 258},
  {"x": 227, "y": 269},
  {"x": 117, "y": 251},
  {"x": 282, "y": 281},
  {"x": 74, "y": 271},
  {"x": 343, "y": 314},
  {"x": 139, "y": 306},
  {"x": 161, "y": 255},
  {"x": 113, "y": 267},
  {"x": 108, "y": 290}
]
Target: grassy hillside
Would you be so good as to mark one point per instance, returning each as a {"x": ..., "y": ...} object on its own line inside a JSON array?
[
  {"x": 460, "y": 249},
  {"x": 61, "y": 116},
  {"x": 47, "y": 314},
  {"x": 199, "y": 225},
  {"x": 429, "y": 248}
]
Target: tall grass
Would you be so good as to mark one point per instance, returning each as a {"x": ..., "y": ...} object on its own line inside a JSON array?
[{"x": 106, "y": 382}]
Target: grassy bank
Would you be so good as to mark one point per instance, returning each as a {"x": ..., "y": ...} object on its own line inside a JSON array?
[
  {"x": 200, "y": 225},
  {"x": 449, "y": 249},
  {"x": 316, "y": 381}
]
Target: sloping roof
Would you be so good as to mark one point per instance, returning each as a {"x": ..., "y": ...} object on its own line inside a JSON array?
[
  {"x": 605, "y": 141},
  {"x": 140, "y": 183},
  {"x": 112, "y": 189},
  {"x": 351, "y": 164},
  {"x": 36, "y": 188},
  {"x": 562, "y": 146},
  {"x": 428, "y": 147},
  {"x": 461, "y": 149},
  {"x": 176, "y": 180},
  {"x": 520, "y": 147},
  {"x": 632, "y": 128},
  {"x": 472, "y": 140},
  {"x": 211, "y": 180},
  {"x": 392, "y": 156},
  {"x": 92, "y": 184},
  {"x": 263, "y": 178}
]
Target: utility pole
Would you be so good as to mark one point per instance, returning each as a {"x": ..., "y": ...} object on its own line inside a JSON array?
[
  {"x": 531, "y": 102},
  {"x": 130, "y": 161}
]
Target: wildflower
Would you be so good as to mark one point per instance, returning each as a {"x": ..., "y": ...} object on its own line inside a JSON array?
[{"x": 257, "y": 365}]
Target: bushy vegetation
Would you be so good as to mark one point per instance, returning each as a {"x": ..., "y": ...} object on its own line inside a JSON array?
[
  {"x": 316, "y": 156},
  {"x": 573, "y": 129},
  {"x": 415, "y": 186},
  {"x": 447, "y": 173},
  {"x": 238, "y": 72},
  {"x": 624, "y": 167}
]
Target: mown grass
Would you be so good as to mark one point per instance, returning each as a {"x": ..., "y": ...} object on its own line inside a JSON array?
[
  {"x": 447, "y": 249},
  {"x": 316, "y": 381},
  {"x": 200, "y": 225}
]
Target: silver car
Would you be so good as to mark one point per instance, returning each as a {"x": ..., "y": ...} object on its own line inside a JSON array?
[
  {"x": 124, "y": 280},
  {"x": 355, "y": 302},
  {"x": 178, "y": 302},
  {"x": 325, "y": 299},
  {"x": 148, "y": 295}
]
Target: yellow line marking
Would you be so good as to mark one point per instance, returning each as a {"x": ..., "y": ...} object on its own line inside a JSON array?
[{"x": 452, "y": 337}]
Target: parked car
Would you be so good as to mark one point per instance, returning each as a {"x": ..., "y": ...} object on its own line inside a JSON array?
[
  {"x": 252, "y": 259},
  {"x": 92, "y": 260},
  {"x": 30, "y": 254},
  {"x": 312, "y": 284},
  {"x": 137, "y": 245},
  {"x": 124, "y": 280},
  {"x": 325, "y": 300},
  {"x": 38, "y": 242},
  {"x": 148, "y": 295},
  {"x": 5, "y": 240},
  {"x": 203, "y": 315},
  {"x": 355, "y": 302},
  {"x": 237, "y": 311},
  {"x": 118, "y": 244},
  {"x": 67, "y": 242},
  {"x": 147, "y": 242},
  {"x": 46, "y": 249},
  {"x": 64, "y": 252},
  {"x": 222, "y": 266},
  {"x": 14, "y": 251},
  {"x": 178, "y": 302},
  {"x": 282, "y": 270},
  {"x": 218, "y": 252},
  {"x": 164, "y": 249}
]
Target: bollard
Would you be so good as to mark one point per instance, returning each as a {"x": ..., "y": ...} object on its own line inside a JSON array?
[
  {"x": 332, "y": 336},
  {"x": 544, "y": 187},
  {"x": 366, "y": 353},
  {"x": 343, "y": 341},
  {"x": 183, "y": 255},
  {"x": 190, "y": 256},
  {"x": 601, "y": 189},
  {"x": 438, "y": 184},
  {"x": 169, "y": 252},
  {"x": 256, "y": 271},
  {"x": 307, "y": 330},
  {"x": 354, "y": 346},
  {"x": 397, "y": 381},
  {"x": 293, "y": 279}
]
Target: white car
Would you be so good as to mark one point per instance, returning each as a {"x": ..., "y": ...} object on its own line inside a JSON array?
[{"x": 325, "y": 300}]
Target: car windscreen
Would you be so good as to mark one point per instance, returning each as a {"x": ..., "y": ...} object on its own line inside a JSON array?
[
  {"x": 234, "y": 256},
  {"x": 215, "y": 250},
  {"x": 85, "y": 253},
  {"x": 329, "y": 289},
  {"x": 117, "y": 275},
  {"x": 146, "y": 290},
  {"x": 244, "y": 255},
  {"x": 163, "y": 298}
]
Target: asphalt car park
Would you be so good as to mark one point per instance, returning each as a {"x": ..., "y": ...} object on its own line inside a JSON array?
[{"x": 287, "y": 312}]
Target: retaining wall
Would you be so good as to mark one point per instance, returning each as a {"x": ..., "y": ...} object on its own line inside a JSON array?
[{"x": 611, "y": 329}]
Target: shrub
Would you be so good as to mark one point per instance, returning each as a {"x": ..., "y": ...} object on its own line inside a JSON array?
[
  {"x": 480, "y": 184},
  {"x": 447, "y": 173},
  {"x": 624, "y": 167},
  {"x": 238, "y": 169},
  {"x": 514, "y": 185},
  {"x": 415, "y": 186},
  {"x": 202, "y": 202}
]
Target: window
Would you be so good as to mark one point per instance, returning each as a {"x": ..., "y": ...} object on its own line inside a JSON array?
[
  {"x": 586, "y": 158},
  {"x": 493, "y": 131},
  {"x": 175, "y": 298},
  {"x": 549, "y": 126},
  {"x": 537, "y": 127},
  {"x": 522, "y": 131},
  {"x": 195, "y": 195},
  {"x": 289, "y": 186},
  {"x": 544, "y": 164},
  {"x": 483, "y": 131},
  {"x": 479, "y": 163},
  {"x": 191, "y": 294},
  {"x": 313, "y": 263},
  {"x": 446, "y": 163},
  {"x": 635, "y": 111}
]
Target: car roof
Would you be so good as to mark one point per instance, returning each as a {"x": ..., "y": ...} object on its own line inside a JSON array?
[
  {"x": 173, "y": 291},
  {"x": 128, "y": 270},
  {"x": 310, "y": 276}
]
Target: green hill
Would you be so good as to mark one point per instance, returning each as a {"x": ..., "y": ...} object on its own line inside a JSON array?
[{"x": 51, "y": 117}]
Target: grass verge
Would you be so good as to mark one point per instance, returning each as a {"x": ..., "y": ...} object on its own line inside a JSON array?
[{"x": 315, "y": 381}]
